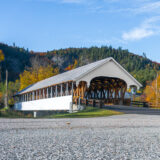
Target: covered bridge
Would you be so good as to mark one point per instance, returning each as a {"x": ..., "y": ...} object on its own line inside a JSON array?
[{"x": 102, "y": 81}]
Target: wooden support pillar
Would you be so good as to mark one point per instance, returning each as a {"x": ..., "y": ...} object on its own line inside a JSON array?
[
  {"x": 67, "y": 89},
  {"x": 61, "y": 89},
  {"x": 33, "y": 96},
  {"x": 47, "y": 93},
  {"x": 51, "y": 93},
  {"x": 72, "y": 93},
  {"x": 36, "y": 95},
  {"x": 40, "y": 94},
  {"x": 27, "y": 97},
  {"x": 56, "y": 91},
  {"x": 43, "y": 93}
]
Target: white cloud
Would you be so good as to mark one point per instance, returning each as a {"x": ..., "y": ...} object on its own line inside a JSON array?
[
  {"x": 137, "y": 33},
  {"x": 146, "y": 29},
  {"x": 149, "y": 7}
]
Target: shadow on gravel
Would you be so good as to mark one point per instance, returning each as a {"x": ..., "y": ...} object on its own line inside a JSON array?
[{"x": 133, "y": 110}]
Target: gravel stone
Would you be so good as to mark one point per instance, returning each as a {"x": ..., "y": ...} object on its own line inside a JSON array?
[{"x": 122, "y": 137}]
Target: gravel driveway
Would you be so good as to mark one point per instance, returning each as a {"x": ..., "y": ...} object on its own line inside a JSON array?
[{"x": 115, "y": 137}]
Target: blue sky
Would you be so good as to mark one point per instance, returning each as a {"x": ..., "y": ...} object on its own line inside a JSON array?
[{"x": 42, "y": 25}]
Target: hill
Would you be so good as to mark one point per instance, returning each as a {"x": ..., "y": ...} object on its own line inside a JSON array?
[{"x": 17, "y": 59}]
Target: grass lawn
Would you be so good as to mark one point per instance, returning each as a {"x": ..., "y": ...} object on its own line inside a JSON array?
[
  {"x": 6, "y": 113},
  {"x": 87, "y": 113}
]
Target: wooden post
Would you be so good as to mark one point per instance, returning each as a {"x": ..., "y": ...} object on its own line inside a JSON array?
[
  {"x": 33, "y": 96},
  {"x": 82, "y": 90},
  {"x": 51, "y": 92},
  {"x": 71, "y": 109},
  {"x": 40, "y": 94},
  {"x": 67, "y": 89},
  {"x": 6, "y": 95},
  {"x": 61, "y": 90},
  {"x": 56, "y": 90},
  {"x": 43, "y": 93},
  {"x": 47, "y": 93},
  {"x": 26, "y": 96}
]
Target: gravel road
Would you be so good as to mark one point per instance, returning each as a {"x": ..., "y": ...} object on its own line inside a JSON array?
[{"x": 115, "y": 137}]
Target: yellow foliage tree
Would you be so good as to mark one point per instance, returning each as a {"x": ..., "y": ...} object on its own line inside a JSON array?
[
  {"x": 152, "y": 92},
  {"x": 32, "y": 76}
]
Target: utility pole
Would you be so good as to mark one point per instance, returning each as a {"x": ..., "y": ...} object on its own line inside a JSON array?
[{"x": 6, "y": 94}]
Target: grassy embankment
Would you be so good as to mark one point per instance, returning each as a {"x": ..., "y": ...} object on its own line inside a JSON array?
[{"x": 87, "y": 113}]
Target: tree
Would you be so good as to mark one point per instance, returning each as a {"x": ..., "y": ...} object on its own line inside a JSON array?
[
  {"x": 152, "y": 92},
  {"x": 73, "y": 66},
  {"x": 34, "y": 75},
  {"x": 1, "y": 56}
]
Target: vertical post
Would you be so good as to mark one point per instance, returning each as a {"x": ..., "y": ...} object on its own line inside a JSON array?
[
  {"x": 51, "y": 92},
  {"x": 67, "y": 89},
  {"x": 43, "y": 94},
  {"x": 6, "y": 95},
  {"x": 33, "y": 96},
  {"x": 61, "y": 89},
  {"x": 26, "y": 96},
  {"x": 40, "y": 94},
  {"x": 47, "y": 93},
  {"x": 37, "y": 95},
  {"x": 56, "y": 90},
  {"x": 71, "y": 105}
]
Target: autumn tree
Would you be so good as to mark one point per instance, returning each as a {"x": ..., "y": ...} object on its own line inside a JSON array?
[
  {"x": 1, "y": 59},
  {"x": 152, "y": 92},
  {"x": 37, "y": 72},
  {"x": 1, "y": 56},
  {"x": 73, "y": 66}
]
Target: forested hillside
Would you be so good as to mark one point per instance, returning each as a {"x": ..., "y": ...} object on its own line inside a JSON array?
[
  {"x": 140, "y": 67},
  {"x": 17, "y": 59}
]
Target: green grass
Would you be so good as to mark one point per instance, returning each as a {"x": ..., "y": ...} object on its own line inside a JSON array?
[
  {"x": 4, "y": 113},
  {"x": 87, "y": 113}
]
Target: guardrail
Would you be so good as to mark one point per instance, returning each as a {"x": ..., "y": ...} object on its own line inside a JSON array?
[
  {"x": 92, "y": 102},
  {"x": 140, "y": 104}
]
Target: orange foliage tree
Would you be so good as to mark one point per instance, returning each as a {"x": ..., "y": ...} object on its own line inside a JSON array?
[
  {"x": 152, "y": 92},
  {"x": 73, "y": 66},
  {"x": 32, "y": 76}
]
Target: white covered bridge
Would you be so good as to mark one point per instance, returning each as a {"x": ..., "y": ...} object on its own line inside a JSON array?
[{"x": 102, "y": 81}]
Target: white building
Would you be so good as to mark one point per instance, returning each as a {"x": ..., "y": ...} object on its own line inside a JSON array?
[{"x": 104, "y": 80}]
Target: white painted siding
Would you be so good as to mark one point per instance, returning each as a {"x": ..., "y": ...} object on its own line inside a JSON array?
[
  {"x": 57, "y": 103},
  {"x": 110, "y": 69}
]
